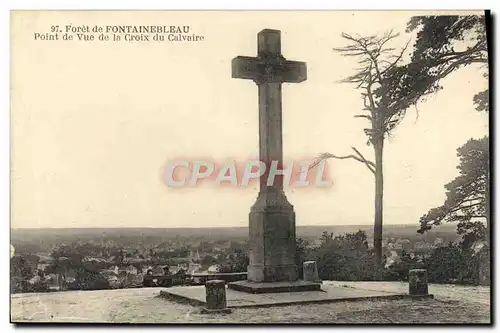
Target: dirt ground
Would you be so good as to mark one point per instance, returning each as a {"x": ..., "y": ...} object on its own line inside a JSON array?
[{"x": 452, "y": 304}]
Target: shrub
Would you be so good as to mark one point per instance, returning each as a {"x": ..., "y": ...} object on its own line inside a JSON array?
[
  {"x": 89, "y": 280},
  {"x": 399, "y": 271},
  {"x": 452, "y": 264},
  {"x": 345, "y": 257},
  {"x": 237, "y": 263}
]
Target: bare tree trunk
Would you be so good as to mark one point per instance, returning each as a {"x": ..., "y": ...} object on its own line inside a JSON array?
[{"x": 379, "y": 199}]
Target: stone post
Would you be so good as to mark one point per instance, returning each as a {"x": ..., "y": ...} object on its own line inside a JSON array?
[
  {"x": 418, "y": 282},
  {"x": 311, "y": 272},
  {"x": 215, "y": 297}
]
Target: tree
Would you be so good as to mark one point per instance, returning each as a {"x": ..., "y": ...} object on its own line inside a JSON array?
[
  {"x": 467, "y": 202},
  {"x": 21, "y": 270},
  {"x": 60, "y": 266},
  {"x": 66, "y": 258},
  {"x": 445, "y": 44},
  {"x": 466, "y": 195},
  {"x": 389, "y": 89},
  {"x": 382, "y": 82}
]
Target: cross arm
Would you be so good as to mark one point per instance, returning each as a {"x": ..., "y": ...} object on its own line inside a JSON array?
[
  {"x": 252, "y": 68},
  {"x": 295, "y": 72},
  {"x": 245, "y": 68}
]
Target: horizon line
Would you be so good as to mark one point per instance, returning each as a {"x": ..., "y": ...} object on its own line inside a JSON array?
[{"x": 143, "y": 227}]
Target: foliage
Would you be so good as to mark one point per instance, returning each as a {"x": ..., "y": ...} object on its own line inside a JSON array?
[
  {"x": 22, "y": 269},
  {"x": 449, "y": 39},
  {"x": 237, "y": 263},
  {"x": 399, "y": 270},
  {"x": 39, "y": 287},
  {"x": 446, "y": 43},
  {"x": 20, "y": 266},
  {"x": 208, "y": 260},
  {"x": 483, "y": 258},
  {"x": 69, "y": 258},
  {"x": 452, "y": 264},
  {"x": 389, "y": 88},
  {"x": 89, "y": 280},
  {"x": 61, "y": 266},
  {"x": 23, "y": 286},
  {"x": 344, "y": 257},
  {"x": 466, "y": 195},
  {"x": 301, "y": 254},
  {"x": 482, "y": 101},
  {"x": 378, "y": 79}
]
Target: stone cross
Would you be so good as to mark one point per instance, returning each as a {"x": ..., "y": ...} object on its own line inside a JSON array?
[
  {"x": 269, "y": 70},
  {"x": 272, "y": 219}
]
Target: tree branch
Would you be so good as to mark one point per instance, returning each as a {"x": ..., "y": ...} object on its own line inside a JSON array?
[
  {"x": 363, "y": 116},
  {"x": 450, "y": 210},
  {"x": 368, "y": 163},
  {"x": 360, "y": 158},
  {"x": 398, "y": 58},
  {"x": 459, "y": 207}
]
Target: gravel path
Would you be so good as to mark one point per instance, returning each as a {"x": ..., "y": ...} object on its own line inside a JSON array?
[
  {"x": 472, "y": 294},
  {"x": 452, "y": 304}
]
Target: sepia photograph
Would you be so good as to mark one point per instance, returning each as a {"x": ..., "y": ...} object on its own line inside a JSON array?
[{"x": 250, "y": 167}]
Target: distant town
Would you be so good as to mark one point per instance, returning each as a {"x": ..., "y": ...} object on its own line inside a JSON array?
[{"x": 122, "y": 258}]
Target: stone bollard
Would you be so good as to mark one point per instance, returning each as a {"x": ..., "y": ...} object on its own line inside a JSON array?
[
  {"x": 418, "y": 282},
  {"x": 311, "y": 272},
  {"x": 216, "y": 297}
]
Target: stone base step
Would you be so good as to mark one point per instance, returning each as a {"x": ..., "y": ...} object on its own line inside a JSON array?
[{"x": 274, "y": 287}]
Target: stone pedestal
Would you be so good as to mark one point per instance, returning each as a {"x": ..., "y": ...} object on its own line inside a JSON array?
[
  {"x": 272, "y": 240},
  {"x": 216, "y": 297},
  {"x": 418, "y": 282},
  {"x": 272, "y": 266},
  {"x": 311, "y": 272}
]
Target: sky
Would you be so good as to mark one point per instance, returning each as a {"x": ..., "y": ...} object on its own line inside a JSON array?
[{"x": 93, "y": 123}]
